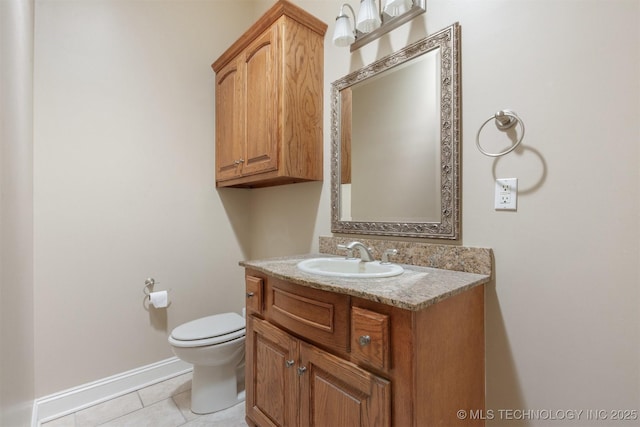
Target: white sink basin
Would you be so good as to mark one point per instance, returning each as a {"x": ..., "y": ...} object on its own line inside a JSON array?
[{"x": 343, "y": 267}]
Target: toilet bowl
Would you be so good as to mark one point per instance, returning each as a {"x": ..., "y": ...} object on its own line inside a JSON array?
[{"x": 214, "y": 345}]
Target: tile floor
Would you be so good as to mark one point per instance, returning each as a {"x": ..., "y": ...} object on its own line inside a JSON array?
[{"x": 165, "y": 404}]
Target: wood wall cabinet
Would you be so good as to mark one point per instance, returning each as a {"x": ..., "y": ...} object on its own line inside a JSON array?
[
  {"x": 320, "y": 358},
  {"x": 269, "y": 101}
]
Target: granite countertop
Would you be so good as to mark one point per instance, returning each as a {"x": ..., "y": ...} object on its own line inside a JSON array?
[{"x": 416, "y": 288}]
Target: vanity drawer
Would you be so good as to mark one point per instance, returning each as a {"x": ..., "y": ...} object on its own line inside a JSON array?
[
  {"x": 254, "y": 295},
  {"x": 317, "y": 316},
  {"x": 370, "y": 338}
]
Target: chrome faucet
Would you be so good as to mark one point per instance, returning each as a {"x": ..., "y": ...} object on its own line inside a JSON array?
[
  {"x": 365, "y": 252},
  {"x": 386, "y": 254}
]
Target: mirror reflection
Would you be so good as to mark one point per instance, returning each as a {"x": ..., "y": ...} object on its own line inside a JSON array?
[
  {"x": 395, "y": 148},
  {"x": 394, "y": 143}
]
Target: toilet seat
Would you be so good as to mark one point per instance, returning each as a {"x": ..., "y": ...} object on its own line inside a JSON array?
[{"x": 210, "y": 330}]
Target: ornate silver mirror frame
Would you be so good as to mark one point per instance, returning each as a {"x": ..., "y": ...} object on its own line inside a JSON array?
[{"x": 448, "y": 41}]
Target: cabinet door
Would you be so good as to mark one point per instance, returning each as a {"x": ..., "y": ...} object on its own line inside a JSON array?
[
  {"x": 255, "y": 291},
  {"x": 335, "y": 392},
  {"x": 262, "y": 71},
  {"x": 229, "y": 120},
  {"x": 370, "y": 341},
  {"x": 272, "y": 388}
]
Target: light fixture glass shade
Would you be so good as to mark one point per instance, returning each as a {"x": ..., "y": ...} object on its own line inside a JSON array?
[
  {"x": 343, "y": 33},
  {"x": 368, "y": 17},
  {"x": 397, "y": 7}
]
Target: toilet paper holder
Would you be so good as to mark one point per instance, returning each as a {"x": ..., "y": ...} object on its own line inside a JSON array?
[{"x": 148, "y": 287}]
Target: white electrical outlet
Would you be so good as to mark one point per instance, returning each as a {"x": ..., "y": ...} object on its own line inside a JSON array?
[{"x": 506, "y": 194}]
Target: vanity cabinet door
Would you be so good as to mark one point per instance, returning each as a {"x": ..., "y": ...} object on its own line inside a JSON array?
[
  {"x": 272, "y": 394},
  {"x": 370, "y": 343},
  {"x": 335, "y": 392},
  {"x": 254, "y": 293}
]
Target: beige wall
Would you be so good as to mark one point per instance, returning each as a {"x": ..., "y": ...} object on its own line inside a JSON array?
[
  {"x": 16, "y": 208},
  {"x": 124, "y": 182},
  {"x": 124, "y": 186}
]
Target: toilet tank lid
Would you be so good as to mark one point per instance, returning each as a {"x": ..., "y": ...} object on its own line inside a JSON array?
[{"x": 209, "y": 327}]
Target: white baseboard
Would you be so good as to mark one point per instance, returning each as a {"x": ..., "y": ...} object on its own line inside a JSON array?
[{"x": 66, "y": 402}]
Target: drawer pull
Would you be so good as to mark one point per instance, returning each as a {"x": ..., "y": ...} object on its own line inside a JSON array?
[
  {"x": 289, "y": 363},
  {"x": 301, "y": 370},
  {"x": 364, "y": 340},
  {"x": 250, "y": 294}
]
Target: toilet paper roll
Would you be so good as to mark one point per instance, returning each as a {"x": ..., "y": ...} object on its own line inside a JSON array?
[{"x": 159, "y": 299}]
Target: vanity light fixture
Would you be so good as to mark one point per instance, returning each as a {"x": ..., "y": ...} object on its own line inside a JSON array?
[
  {"x": 368, "y": 16},
  {"x": 396, "y": 7},
  {"x": 344, "y": 34},
  {"x": 373, "y": 20}
]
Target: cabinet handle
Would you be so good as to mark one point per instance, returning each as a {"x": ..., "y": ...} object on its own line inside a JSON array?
[
  {"x": 364, "y": 340},
  {"x": 250, "y": 294},
  {"x": 289, "y": 363},
  {"x": 301, "y": 370}
]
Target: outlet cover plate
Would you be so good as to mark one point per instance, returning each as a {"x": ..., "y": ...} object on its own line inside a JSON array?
[{"x": 506, "y": 198}]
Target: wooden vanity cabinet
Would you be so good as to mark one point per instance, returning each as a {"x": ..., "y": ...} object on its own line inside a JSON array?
[
  {"x": 319, "y": 358},
  {"x": 296, "y": 383},
  {"x": 269, "y": 101}
]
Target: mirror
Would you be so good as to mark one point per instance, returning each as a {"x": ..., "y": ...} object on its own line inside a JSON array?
[{"x": 395, "y": 154}]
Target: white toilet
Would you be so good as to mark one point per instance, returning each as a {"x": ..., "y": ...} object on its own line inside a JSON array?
[{"x": 215, "y": 347}]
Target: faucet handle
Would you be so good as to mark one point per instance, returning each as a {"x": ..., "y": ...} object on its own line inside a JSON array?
[
  {"x": 385, "y": 255},
  {"x": 348, "y": 250}
]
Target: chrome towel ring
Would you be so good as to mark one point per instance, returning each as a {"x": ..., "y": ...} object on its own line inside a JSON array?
[{"x": 504, "y": 119}]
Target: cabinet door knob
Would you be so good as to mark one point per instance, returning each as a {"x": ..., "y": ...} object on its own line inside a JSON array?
[
  {"x": 250, "y": 294},
  {"x": 301, "y": 370},
  {"x": 364, "y": 340},
  {"x": 289, "y": 363}
]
